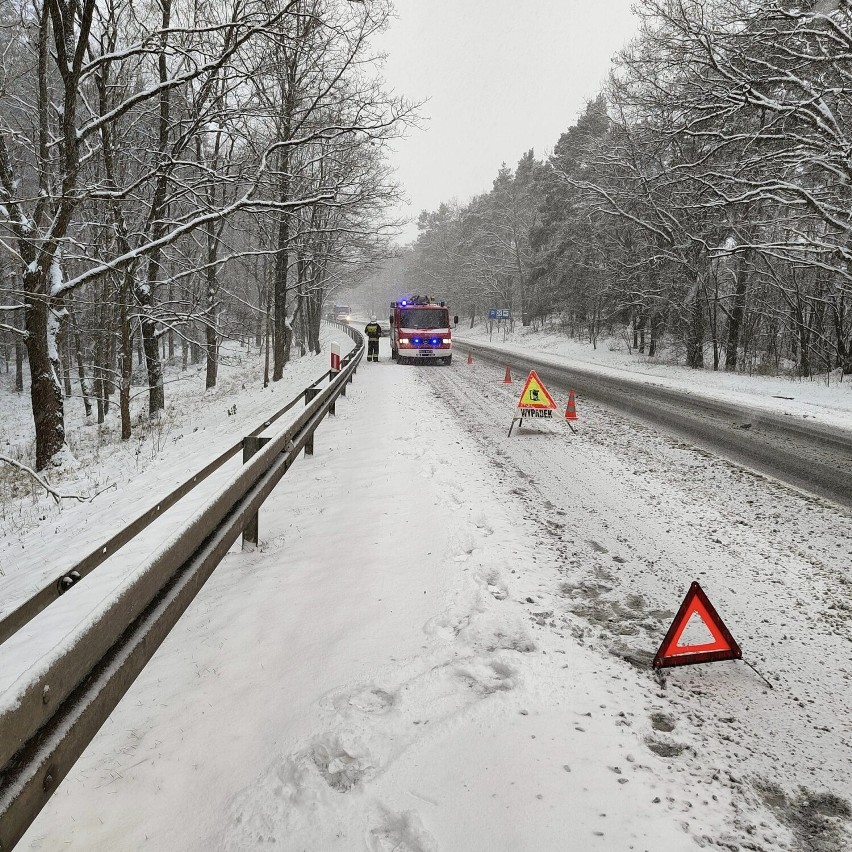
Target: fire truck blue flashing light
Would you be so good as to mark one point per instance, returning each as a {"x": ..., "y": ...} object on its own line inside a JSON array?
[{"x": 435, "y": 341}]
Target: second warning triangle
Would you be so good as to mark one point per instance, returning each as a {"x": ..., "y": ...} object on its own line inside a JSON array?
[{"x": 681, "y": 646}]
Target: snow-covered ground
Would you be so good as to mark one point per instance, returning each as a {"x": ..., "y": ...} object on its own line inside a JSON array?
[
  {"x": 826, "y": 399},
  {"x": 444, "y": 643},
  {"x": 197, "y": 425}
]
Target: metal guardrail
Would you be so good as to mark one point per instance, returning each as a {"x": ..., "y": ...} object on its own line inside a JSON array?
[
  {"x": 48, "y": 724},
  {"x": 13, "y": 621}
]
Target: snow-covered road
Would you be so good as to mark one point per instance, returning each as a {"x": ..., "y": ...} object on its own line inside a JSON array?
[
  {"x": 758, "y": 433},
  {"x": 445, "y": 641}
]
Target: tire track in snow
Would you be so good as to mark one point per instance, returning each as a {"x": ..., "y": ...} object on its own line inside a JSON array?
[{"x": 636, "y": 515}]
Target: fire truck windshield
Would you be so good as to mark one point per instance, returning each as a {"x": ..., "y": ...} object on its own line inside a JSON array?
[{"x": 425, "y": 318}]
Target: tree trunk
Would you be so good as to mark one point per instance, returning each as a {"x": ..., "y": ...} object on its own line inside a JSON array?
[
  {"x": 97, "y": 375},
  {"x": 315, "y": 304},
  {"x": 268, "y": 334},
  {"x": 19, "y": 359},
  {"x": 842, "y": 349},
  {"x": 652, "y": 343},
  {"x": 171, "y": 333},
  {"x": 283, "y": 333},
  {"x": 735, "y": 319},
  {"x": 48, "y": 413},
  {"x": 212, "y": 360},
  {"x": 714, "y": 320},
  {"x": 194, "y": 348},
  {"x": 156, "y": 395},
  {"x": 125, "y": 358},
  {"x": 100, "y": 351},
  {"x": 261, "y": 306},
  {"x": 695, "y": 331},
  {"x": 64, "y": 344},
  {"x": 81, "y": 368},
  {"x": 145, "y": 292},
  {"x": 211, "y": 332}
]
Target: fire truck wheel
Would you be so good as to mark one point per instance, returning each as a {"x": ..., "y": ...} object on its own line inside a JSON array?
[{"x": 448, "y": 360}]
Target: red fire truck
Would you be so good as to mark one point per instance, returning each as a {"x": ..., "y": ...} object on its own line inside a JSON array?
[{"x": 420, "y": 331}]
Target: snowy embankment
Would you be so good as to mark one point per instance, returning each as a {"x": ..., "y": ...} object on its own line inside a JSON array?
[
  {"x": 196, "y": 426},
  {"x": 35, "y": 560},
  {"x": 429, "y": 653},
  {"x": 825, "y": 399}
]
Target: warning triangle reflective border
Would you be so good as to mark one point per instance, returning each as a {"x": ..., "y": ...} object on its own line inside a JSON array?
[
  {"x": 535, "y": 394},
  {"x": 723, "y": 646}
]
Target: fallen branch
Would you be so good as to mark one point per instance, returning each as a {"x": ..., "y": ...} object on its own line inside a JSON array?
[{"x": 50, "y": 489}]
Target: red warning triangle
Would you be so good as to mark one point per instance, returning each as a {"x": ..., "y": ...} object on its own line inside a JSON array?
[
  {"x": 535, "y": 394},
  {"x": 722, "y": 647}
]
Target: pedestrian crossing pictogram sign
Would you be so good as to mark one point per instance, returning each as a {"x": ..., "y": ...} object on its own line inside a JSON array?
[
  {"x": 681, "y": 648},
  {"x": 535, "y": 396}
]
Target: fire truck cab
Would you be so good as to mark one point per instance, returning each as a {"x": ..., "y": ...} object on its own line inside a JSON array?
[{"x": 420, "y": 331}]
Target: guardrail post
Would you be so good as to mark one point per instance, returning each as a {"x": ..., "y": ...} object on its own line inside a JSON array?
[
  {"x": 251, "y": 444},
  {"x": 334, "y": 371},
  {"x": 310, "y": 393}
]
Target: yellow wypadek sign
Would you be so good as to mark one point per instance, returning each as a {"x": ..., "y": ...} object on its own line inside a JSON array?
[{"x": 535, "y": 396}]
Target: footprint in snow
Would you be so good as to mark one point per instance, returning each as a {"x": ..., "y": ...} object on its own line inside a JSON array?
[
  {"x": 371, "y": 700},
  {"x": 499, "y": 593},
  {"x": 403, "y": 832},
  {"x": 488, "y": 677},
  {"x": 483, "y": 524},
  {"x": 341, "y": 767},
  {"x": 493, "y": 582}
]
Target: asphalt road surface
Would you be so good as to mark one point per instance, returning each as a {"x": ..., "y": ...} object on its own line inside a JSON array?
[{"x": 813, "y": 457}]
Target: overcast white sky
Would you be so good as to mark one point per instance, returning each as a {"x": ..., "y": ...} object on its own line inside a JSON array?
[{"x": 502, "y": 76}]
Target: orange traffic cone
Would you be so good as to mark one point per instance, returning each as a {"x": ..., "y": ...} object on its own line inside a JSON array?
[
  {"x": 507, "y": 380},
  {"x": 571, "y": 408},
  {"x": 470, "y": 357}
]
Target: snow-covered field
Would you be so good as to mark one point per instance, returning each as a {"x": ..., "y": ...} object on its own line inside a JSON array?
[{"x": 444, "y": 643}]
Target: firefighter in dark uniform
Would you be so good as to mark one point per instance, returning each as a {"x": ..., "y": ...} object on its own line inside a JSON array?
[{"x": 373, "y": 331}]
